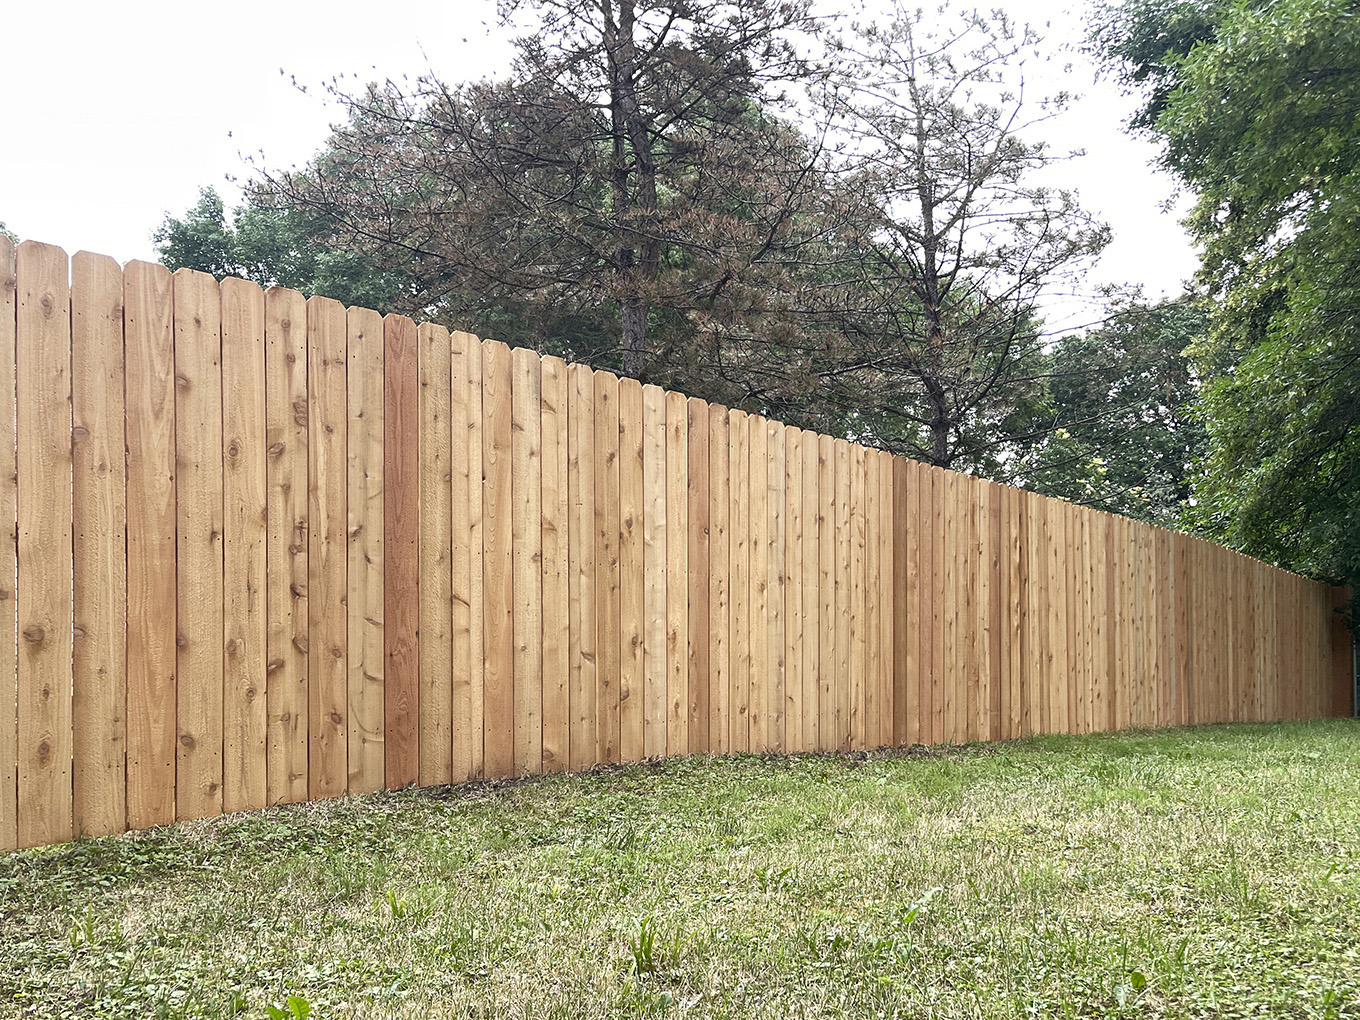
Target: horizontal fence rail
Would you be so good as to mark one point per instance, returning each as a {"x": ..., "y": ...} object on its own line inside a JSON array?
[{"x": 268, "y": 549}]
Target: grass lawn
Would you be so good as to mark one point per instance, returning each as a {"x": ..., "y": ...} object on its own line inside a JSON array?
[{"x": 1209, "y": 872}]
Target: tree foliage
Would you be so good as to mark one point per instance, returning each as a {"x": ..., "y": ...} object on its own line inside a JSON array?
[
  {"x": 631, "y": 166},
  {"x": 951, "y": 245},
  {"x": 273, "y": 247},
  {"x": 1259, "y": 119},
  {"x": 838, "y": 229},
  {"x": 1118, "y": 427}
]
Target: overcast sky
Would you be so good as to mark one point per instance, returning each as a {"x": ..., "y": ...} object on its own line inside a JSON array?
[{"x": 128, "y": 109}]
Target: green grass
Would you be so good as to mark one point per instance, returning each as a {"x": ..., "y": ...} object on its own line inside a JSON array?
[{"x": 1211, "y": 872}]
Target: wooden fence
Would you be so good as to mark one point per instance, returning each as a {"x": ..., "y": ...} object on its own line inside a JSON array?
[{"x": 269, "y": 549}]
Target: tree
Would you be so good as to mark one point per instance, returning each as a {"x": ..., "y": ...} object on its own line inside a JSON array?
[
  {"x": 1118, "y": 427},
  {"x": 1260, "y": 122},
  {"x": 6, "y": 232},
  {"x": 953, "y": 243},
  {"x": 270, "y": 246},
  {"x": 631, "y": 162}
]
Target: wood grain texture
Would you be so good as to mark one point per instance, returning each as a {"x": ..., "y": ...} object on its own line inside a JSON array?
[
  {"x": 556, "y": 567},
  {"x": 149, "y": 388},
  {"x": 245, "y": 722},
  {"x": 654, "y": 569},
  {"x": 938, "y": 681},
  {"x": 632, "y": 575},
  {"x": 856, "y": 581},
  {"x": 286, "y": 538},
  {"x": 327, "y": 549},
  {"x": 906, "y": 603},
  {"x": 867, "y": 593},
  {"x": 997, "y": 638},
  {"x": 607, "y": 509},
  {"x": 364, "y": 511},
  {"x": 758, "y": 589},
  {"x": 739, "y": 560},
  {"x": 476, "y": 717},
  {"x": 928, "y": 605},
  {"x": 841, "y": 679},
  {"x": 98, "y": 525},
  {"x": 697, "y": 560},
  {"x": 887, "y": 595},
  {"x": 1014, "y": 648},
  {"x": 401, "y": 552},
  {"x": 969, "y": 600},
  {"x": 677, "y": 575},
  {"x": 43, "y": 367},
  {"x": 198, "y": 543},
  {"x": 463, "y": 732},
  {"x": 1059, "y": 670},
  {"x": 719, "y": 581},
  {"x": 954, "y": 680},
  {"x": 434, "y": 547},
  {"x": 527, "y": 539},
  {"x": 498, "y": 564},
  {"x": 776, "y": 578},
  {"x": 812, "y": 616},
  {"x": 827, "y": 736},
  {"x": 581, "y": 511},
  {"x": 9, "y": 555},
  {"x": 793, "y": 590}
]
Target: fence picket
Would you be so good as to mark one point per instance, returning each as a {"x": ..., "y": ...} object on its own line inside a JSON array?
[
  {"x": 632, "y": 576},
  {"x": 327, "y": 552},
  {"x": 43, "y": 369},
  {"x": 401, "y": 552},
  {"x": 677, "y": 575},
  {"x": 434, "y": 545},
  {"x": 581, "y": 552},
  {"x": 719, "y": 582},
  {"x": 739, "y": 584},
  {"x": 654, "y": 570},
  {"x": 526, "y": 470},
  {"x": 793, "y": 590},
  {"x": 364, "y": 508},
  {"x": 756, "y": 507},
  {"x": 198, "y": 544},
  {"x": 149, "y": 388},
  {"x": 811, "y": 723},
  {"x": 498, "y": 560},
  {"x": 556, "y": 568},
  {"x": 775, "y": 581},
  {"x": 9, "y": 503},
  {"x": 245, "y": 567},
  {"x": 607, "y": 509},
  {"x": 98, "y": 672}
]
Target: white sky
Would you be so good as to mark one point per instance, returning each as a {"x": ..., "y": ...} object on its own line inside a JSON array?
[{"x": 126, "y": 110}]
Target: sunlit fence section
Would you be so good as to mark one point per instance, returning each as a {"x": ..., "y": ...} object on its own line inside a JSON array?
[{"x": 269, "y": 549}]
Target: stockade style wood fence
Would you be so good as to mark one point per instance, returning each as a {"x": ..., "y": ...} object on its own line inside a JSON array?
[{"x": 269, "y": 549}]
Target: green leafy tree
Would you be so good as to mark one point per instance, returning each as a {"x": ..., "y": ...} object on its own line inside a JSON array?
[
  {"x": 1259, "y": 119},
  {"x": 1118, "y": 427},
  {"x": 270, "y": 246}
]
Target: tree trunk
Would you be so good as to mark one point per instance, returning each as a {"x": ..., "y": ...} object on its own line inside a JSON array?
[
  {"x": 636, "y": 215},
  {"x": 939, "y": 424},
  {"x": 634, "y": 336}
]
